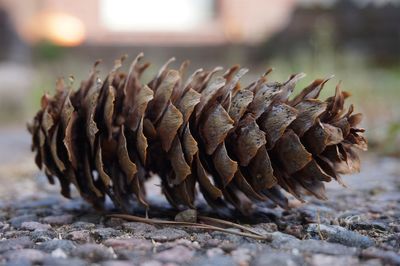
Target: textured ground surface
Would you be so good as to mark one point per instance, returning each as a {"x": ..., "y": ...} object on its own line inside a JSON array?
[{"x": 358, "y": 225}]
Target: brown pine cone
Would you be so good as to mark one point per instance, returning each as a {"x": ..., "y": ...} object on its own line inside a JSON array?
[{"x": 239, "y": 145}]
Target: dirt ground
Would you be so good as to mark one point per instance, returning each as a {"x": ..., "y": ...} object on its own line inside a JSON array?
[{"x": 359, "y": 224}]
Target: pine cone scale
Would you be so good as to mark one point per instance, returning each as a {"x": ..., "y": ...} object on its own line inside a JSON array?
[
  {"x": 215, "y": 128},
  {"x": 291, "y": 152}
]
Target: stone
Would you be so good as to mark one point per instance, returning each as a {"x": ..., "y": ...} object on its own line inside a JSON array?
[
  {"x": 268, "y": 227},
  {"x": 395, "y": 227},
  {"x": 203, "y": 238},
  {"x": 59, "y": 253},
  {"x": 369, "y": 226},
  {"x": 82, "y": 236},
  {"x": 326, "y": 260},
  {"x": 189, "y": 216},
  {"x": 166, "y": 234},
  {"x": 136, "y": 256},
  {"x": 114, "y": 222},
  {"x": 94, "y": 218},
  {"x": 295, "y": 230},
  {"x": 214, "y": 252},
  {"x": 16, "y": 234},
  {"x": 212, "y": 243},
  {"x": 31, "y": 255},
  {"x": 15, "y": 243},
  {"x": 387, "y": 257},
  {"x": 17, "y": 221},
  {"x": 19, "y": 262},
  {"x": 228, "y": 246},
  {"x": 151, "y": 263},
  {"x": 273, "y": 258},
  {"x": 284, "y": 241},
  {"x": 220, "y": 260},
  {"x": 54, "y": 261},
  {"x": 63, "y": 244},
  {"x": 59, "y": 219},
  {"x": 314, "y": 213},
  {"x": 94, "y": 252},
  {"x": 138, "y": 228},
  {"x": 279, "y": 238},
  {"x": 82, "y": 226},
  {"x": 315, "y": 246},
  {"x": 116, "y": 263},
  {"x": 4, "y": 226},
  {"x": 230, "y": 237},
  {"x": 338, "y": 234},
  {"x": 128, "y": 244},
  {"x": 184, "y": 242},
  {"x": 394, "y": 241},
  {"x": 43, "y": 235},
  {"x": 31, "y": 226},
  {"x": 104, "y": 233},
  {"x": 242, "y": 256},
  {"x": 178, "y": 254}
]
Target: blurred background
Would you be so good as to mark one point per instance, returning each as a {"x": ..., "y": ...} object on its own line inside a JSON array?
[{"x": 356, "y": 40}]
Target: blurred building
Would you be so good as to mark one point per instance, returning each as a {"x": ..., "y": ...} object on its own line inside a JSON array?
[{"x": 172, "y": 22}]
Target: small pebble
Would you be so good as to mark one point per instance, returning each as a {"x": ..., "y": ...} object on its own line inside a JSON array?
[
  {"x": 59, "y": 253},
  {"x": 116, "y": 263},
  {"x": 59, "y": 219},
  {"x": 94, "y": 252},
  {"x": 15, "y": 243},
  {"x": 214, "y": 252},
  {"x": 166, "y": 234},
  {"x": 368, "y": 226},
  {"x": 17, "y": 221},
  {"x": 189, "y": 216},
  {"x": 138, "y": 228},
  {"x": 63, "y": 244},
  {"x": 53, "y": 261},
  {"x": 31, "y": 226},
  {"x": 270, "y": 257},
  {"x": 43, "y": 235},
  {"x": 82, "y": 225},
  {"x": 242, "y": 256},
  {"x": 269, "y": 227},
  {"x": 321, "y": 259},
  {"x": 228, "y": 246},
  {"x": 178, "y": 254},
  {"x": 31, "y": 255},
  {"x": 82, "y": 236},
  {"x": 388, "y": 257},
  {"x": 104, "y": 233},
  {"x": 152, "y": 263},
  {"x": 128, "y": 244},
  {"x": 338, "y": 234}
]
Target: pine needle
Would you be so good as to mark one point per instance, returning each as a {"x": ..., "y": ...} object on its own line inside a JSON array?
[{"x": 250, "y": 233}]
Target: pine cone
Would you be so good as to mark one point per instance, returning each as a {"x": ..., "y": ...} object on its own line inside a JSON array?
[{"x": 240, "y": 145}]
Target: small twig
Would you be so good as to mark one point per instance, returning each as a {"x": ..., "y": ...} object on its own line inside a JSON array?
[
  {"x": 318, "y": 226},
  {"x": 190, "y": 225},
  {"x": 216, "y": 220}
]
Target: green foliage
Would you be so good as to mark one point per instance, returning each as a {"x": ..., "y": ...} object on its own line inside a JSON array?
[{"x": 48, "y": 51}]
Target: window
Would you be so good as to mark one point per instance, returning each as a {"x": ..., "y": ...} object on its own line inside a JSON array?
[{"x": 155, "y": 15}]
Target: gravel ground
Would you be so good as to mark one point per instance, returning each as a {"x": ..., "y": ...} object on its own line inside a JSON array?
[{"x": 357, "y": 225}]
